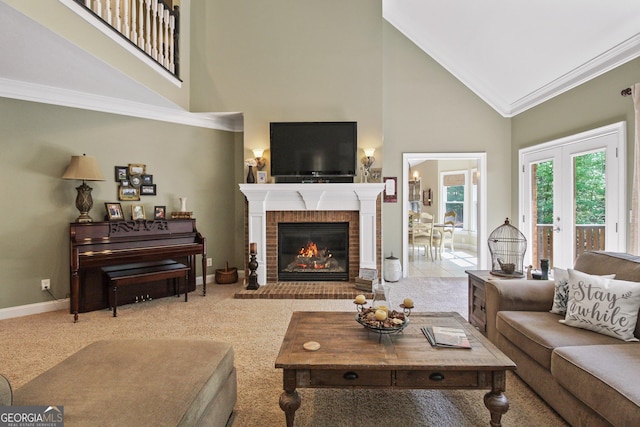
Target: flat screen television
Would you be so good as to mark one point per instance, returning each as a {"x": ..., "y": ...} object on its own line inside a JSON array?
[{"x": 313, "y": 151}]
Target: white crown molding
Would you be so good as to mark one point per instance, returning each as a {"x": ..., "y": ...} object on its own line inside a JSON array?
[
  {"x": 232, "y": 122},
  {"x": 614, "y": 57},
  {"x": 618, "y": 55}
]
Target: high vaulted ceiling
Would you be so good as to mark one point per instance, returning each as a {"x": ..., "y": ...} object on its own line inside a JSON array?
[{"x": 515, "y": 54}]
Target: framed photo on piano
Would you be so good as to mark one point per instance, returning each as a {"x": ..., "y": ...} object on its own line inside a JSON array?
[
  {"x": 137, "y": 212},
  {"x": 114, "y": 211},
  {"x": 159, "y": 212}
]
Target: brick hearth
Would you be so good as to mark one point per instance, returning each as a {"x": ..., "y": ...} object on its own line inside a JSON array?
[{"x": 304, "y": 290}]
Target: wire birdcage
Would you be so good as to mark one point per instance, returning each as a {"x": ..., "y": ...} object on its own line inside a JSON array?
[{"x": 507, "y": 246}]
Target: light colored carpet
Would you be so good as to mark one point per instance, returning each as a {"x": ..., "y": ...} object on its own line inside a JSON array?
[{"x": 255, "y": 327}]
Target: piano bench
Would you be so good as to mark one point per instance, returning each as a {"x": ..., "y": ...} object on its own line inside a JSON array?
[{"x": 133, "y": 274}]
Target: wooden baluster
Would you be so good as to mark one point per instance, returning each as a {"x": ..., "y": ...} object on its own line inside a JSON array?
[
  {"x": 117, "y": 19},
  {"x": 172, "y": 26},
  {"x": 160, "y": 28},
  {"x": 127, "y": 27},
  {"x": 87, "y": 4},
  {"x": 109, "y": 17},
  {"x": 154, "y": 30},
  {"x": 166, "y": 39},
  {"x": 134, "y": 22},
  {"x": 147, "y": 28},
  {"x": 141, "y": 24},
  {"x": 97, "y": 7}
]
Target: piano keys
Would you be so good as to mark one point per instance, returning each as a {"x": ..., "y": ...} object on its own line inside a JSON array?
[{"x": 95, "y": 245}]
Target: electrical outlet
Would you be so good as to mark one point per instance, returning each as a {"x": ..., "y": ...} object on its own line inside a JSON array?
[
  {"x": 45, "y": 284},
  {"x": 209, "y": 262}
]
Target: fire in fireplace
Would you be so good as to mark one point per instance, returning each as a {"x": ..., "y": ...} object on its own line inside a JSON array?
[{"x": 313, "y": 251}]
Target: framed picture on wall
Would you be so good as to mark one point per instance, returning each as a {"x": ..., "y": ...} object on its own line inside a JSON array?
[
  {"x": 426, "y": 197},
  {"x": 137, "y": 169},
  {"x": 121, "y": 173},
  {"x": 128, "y": 193},
  {"x": 148, "y": 190}
]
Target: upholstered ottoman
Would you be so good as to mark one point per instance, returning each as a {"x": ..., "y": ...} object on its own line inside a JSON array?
[{"x": 152, "y": 382}]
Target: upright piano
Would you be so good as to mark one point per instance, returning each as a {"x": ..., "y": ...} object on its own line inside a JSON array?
[{"x": 95, "y": 245}]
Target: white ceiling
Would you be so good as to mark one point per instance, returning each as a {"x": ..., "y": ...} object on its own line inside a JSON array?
[{"x": 513, "y": 54}]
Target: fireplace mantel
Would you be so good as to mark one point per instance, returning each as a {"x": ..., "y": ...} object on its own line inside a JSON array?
[{"x": 313, "y": 197}]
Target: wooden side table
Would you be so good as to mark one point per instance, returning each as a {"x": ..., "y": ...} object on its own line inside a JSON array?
[{"x": 477, "y": 313}]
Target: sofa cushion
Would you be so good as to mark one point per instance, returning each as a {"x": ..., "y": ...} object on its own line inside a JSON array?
[
  {"x": 605, "y": 377},
  {"x": 606, "y": 306},
  {"x": 159, "y": 382},
  {"x": 537, "y": 333}
]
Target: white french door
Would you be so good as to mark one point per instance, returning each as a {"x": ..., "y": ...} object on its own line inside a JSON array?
[{"x": 572, "y": 196}]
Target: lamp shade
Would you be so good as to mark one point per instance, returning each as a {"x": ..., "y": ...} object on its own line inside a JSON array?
[
  {"x": 369, "y": 152},
  {"x": 83, "y": 168}
]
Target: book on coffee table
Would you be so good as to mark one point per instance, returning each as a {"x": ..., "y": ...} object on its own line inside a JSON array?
[{"x": 440, "y": 336}]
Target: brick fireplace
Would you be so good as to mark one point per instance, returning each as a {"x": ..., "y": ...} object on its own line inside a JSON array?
[{"x": 357, "y": 204}]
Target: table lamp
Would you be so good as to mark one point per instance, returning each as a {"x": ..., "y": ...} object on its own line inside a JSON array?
[{"x": 83, "y": 168}]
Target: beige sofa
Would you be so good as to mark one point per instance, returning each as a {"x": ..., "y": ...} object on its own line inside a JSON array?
[
  {"x": 590, "y": 379},
  {"x": 154, "y": 382}
]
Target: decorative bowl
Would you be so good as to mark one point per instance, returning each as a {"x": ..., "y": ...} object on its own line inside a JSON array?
[
  {"x": 508, "y": 268},
  {"x": 386, "y": 327}
]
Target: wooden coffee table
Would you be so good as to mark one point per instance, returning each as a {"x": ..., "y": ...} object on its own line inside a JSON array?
[{"x": 351, "y": 356}]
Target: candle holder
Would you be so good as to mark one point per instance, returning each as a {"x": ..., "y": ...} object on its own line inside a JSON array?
[
  {"x": 406, "y": 310},
  {"x": 360, "y": 306},
  {"x": 252, "y": 282}
]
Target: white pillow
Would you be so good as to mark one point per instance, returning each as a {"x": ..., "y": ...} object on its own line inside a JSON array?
[
  {"x": 561, "y": 294},
  {"x": 603, "y": 305}
]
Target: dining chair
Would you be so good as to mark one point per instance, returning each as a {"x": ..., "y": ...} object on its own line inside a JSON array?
[
  {"x": 449, "y": 226},
  {"x": 427, "y": 236}
]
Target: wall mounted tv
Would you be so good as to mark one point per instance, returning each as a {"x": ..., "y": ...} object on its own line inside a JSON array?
[{"x": 313, "y": 151}]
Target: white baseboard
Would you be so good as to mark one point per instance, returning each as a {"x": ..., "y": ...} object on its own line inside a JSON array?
[
  {"x": 61, "y": 304},
  {"x": 29, "y": 309}
]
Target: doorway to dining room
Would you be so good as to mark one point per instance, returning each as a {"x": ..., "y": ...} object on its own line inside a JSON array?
[{"x": 436, "y": 184}]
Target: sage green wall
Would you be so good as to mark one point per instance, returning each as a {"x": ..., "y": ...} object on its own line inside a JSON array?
[
  {"x": 593, "y": 104},
  {"x": 60, "y": 19},
  {"x": 37, "y": 142},
  {"x": 289, "y": 61},
  {"x": 426, "y": 109}
]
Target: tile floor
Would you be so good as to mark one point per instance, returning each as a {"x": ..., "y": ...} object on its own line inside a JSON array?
[{"x": 451, "y": 264}]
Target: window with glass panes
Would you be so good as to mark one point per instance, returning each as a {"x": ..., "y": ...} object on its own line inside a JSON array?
[{"x": 453, "y": 194}]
